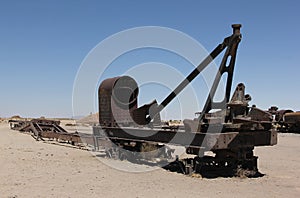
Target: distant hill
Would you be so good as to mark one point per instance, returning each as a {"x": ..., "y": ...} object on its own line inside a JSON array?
[
  {"x": 90, "y": 119},
  {"x": 77, "y": 117}
]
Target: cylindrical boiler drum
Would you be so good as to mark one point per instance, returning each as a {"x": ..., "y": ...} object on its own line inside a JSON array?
[{"x": 117, "y": 100}]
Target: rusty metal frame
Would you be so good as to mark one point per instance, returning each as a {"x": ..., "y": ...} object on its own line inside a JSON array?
[
  {"x": 231, "y": 43},
  {"x": 228, "y": 140}
]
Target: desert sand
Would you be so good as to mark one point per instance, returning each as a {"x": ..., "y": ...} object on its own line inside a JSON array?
[{"x": 32, "y": 168}]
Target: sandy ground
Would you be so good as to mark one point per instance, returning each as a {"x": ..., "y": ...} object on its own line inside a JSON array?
[{"x": 36, "y": 169}]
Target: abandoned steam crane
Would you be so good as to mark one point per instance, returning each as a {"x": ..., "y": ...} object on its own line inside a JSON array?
[{"x": 231, "y": 132}]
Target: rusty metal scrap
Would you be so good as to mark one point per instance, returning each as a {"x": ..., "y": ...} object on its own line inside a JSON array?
[
  {"x": 231, "y": 133},
  {"x": 127, "y": 131},
  {"x": 285, "y": 120},
  {"x": 43, "y": 128}
]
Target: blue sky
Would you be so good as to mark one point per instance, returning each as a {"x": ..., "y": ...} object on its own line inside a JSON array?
[{"x": 43, "y": 43}]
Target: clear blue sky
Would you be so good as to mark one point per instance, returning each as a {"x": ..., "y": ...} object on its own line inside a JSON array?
[{"x": 42, "y": 44}]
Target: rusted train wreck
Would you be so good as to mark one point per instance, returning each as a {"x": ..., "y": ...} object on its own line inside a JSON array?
[{"x": 230, "y": 128}]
